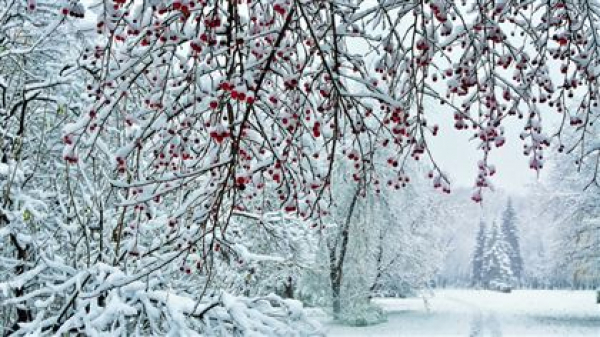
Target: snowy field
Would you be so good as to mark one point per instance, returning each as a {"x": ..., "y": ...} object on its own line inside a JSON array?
[{"x": 485, "y": 313}]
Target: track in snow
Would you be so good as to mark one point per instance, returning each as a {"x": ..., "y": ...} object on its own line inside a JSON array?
[
  {"x": 476, "y": 313},
  {"x": 483, "y": 322}
]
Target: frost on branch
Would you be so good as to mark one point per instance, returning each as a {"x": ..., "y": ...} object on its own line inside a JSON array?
[
  {"x": 140, "y": 306},
  {"x": 241, "y": 97},
  {"x": 36, "y": 88}
]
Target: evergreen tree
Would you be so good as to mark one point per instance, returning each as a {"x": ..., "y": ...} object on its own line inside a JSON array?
[
  {"x": 510, "y": 231},
  {"x": 477, "y": 262},
  {"x": 497, "y": 269}
]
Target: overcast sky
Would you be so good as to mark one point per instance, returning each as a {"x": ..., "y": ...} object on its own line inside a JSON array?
[{"x": 458, "y": 156}]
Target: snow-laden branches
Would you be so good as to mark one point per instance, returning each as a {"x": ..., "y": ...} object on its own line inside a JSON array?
[{"x": 192, "y": 130}]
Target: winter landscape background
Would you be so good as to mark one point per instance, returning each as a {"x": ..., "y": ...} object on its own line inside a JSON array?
[{"x": 299, "y": 168}]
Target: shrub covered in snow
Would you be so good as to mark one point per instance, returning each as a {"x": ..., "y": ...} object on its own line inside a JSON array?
[{"x": 361, "y": 313}]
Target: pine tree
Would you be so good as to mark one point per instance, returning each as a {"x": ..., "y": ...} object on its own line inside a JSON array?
[
  {"x": 477, "y": 262},
  {"x": 497, "y": 269},
  {"x": 509, "y": 228}
]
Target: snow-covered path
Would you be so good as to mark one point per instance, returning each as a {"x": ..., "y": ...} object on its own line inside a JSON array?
[{"x": 485, "y": 313}]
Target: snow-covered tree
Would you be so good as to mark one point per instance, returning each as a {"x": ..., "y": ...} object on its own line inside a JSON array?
[
  {"x": 387, "y": 242},
  {"x": 571, "y": 198},
  {"x": 39, "y": 86},
  {"x": 538, "y": 272},
  {"x": 477, "y": 259},
  {"x": 496, "y": 267},
  {"x": 204, "y": 105},
  {"x": 511, "y": 233},
  {"x": 271, "y": 255}
]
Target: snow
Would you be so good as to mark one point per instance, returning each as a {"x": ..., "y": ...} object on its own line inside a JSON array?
[{"x": 485, "y": 313}]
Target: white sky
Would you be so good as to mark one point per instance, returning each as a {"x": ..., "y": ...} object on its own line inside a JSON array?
[{"x": 458, "y": 156}]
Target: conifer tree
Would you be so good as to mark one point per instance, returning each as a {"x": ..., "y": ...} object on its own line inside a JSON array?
[
  {"x": 477, "y": 262},
  {"x": 509, "y": 228},
  {"x": 496, "y": 267}
]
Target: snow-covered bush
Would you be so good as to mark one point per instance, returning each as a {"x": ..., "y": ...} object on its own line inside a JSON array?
[
  {"x": 140, "y": 307},
  {"x": 359, "y": 312}
]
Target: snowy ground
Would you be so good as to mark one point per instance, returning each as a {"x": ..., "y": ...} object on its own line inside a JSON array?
[{"x": 485, "y": 313}]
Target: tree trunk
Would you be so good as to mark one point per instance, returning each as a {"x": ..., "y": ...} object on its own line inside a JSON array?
[
  {"x": 288, "y": 290},
  {"x": 335, "y": 276},
  {"x": 336, "y": 261},
  {"x": 337, "y": 304},
  {"x": 23, "y": 315}
]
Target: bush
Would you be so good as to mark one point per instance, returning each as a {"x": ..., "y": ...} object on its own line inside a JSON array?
[{"x": 362, "y": 314}]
